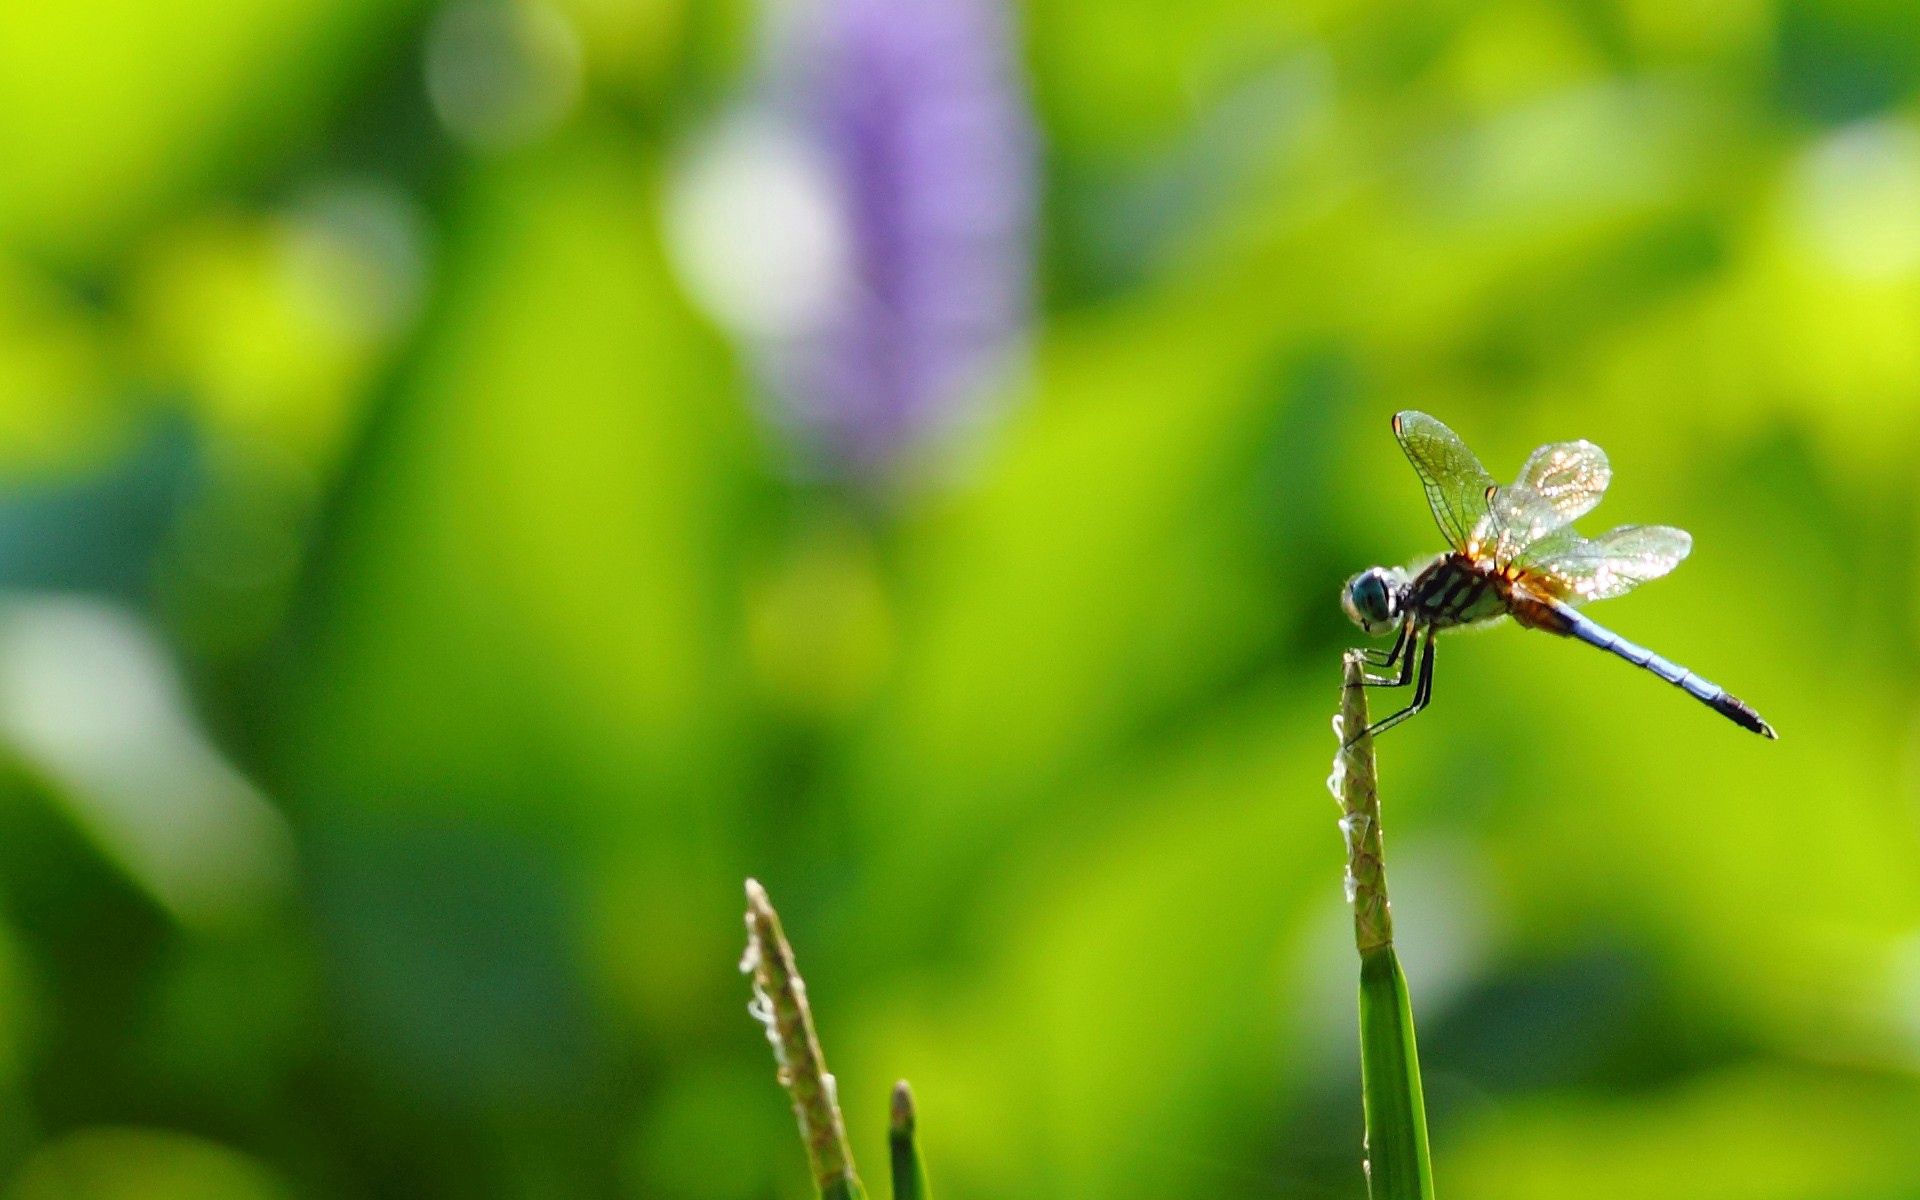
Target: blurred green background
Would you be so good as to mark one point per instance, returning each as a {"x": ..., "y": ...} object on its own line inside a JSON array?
[{"x": 436, "y": 574}]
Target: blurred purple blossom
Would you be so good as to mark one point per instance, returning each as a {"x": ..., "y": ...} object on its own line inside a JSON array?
[{"x": 918, "y": 111}]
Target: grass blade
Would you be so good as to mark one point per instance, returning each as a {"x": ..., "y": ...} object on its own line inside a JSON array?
[
  {"x": 909, "y": 1175},
  {"x": 1398, "y": 1167},
  {"x": 1397, "y": 1163},
  {"x": 780, "y": 1004}
]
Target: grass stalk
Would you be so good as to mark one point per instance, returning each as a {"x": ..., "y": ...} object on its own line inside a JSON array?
[
  {"x": 909, "y": 1175},
  {"x": 1398, "y": 1166},
  {"x": 780, "y": 1004}
]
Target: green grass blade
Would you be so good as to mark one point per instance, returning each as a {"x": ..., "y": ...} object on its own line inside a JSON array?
[
  {"x": 909, "y": 1175},
  {"x": 1398, "y": 1167},
  {"x": 780, "y": 1004},
  {"x": 1397, "y": 1164}
]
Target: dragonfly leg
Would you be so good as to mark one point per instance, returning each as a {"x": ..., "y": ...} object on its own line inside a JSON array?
[
  {"x": 1401, "y": 653},
  {"x": 1386, "y": 658},
  {"x": 1422, "y": 693}
]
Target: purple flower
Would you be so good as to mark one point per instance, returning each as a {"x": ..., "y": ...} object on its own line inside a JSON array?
[{"x": 918, "y": 110}]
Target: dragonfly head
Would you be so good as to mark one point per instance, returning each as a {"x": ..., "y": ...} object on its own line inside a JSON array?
[{"x": 1372, "y": 600}]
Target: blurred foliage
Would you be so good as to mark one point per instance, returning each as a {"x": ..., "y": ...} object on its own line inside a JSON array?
[{"x": 415, "y": 628}]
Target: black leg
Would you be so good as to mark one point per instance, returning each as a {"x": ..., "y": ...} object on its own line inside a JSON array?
[
  {"x": 1402, "y": 653},
  {"x": 1422, "y": 692},
  {"x": 1386, "y": 658}
]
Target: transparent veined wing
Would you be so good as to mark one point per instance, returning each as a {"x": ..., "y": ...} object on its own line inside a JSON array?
[
  {"x": 1457, "y": 485},
  {"x": 1572, "y": 476},
  {"x": 1612, "y": 564},
  {"x": 1520, "y": 526}
]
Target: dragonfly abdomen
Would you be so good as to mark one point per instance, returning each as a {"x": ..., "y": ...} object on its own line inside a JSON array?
[{"x": 1719, "y": 699}]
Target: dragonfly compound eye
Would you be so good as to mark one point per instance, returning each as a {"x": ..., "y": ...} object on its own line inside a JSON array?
[{"x": 1370, "y": 601}]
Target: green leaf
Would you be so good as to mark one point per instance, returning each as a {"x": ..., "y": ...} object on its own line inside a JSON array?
[{"x": 1397, "y": 1163}]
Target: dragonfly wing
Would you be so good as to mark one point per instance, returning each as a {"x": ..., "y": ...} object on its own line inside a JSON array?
[
  {"x": 1614, "y": 563},
  {"x": 1457, "y": 485},
  {"x": 1572, "y": 476},
  {"x": 1520, "y": 526}
]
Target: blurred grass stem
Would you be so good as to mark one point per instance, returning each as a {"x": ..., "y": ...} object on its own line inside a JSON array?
[{"x": 1398, "y": 1167}]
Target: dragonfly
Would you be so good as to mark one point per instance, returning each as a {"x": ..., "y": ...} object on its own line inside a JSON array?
[{"x": 1513, "y": 553}]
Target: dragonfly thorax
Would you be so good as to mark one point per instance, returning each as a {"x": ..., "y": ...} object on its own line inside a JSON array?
[
  {"x": 1373, "y": 599},
  {"x": 1455, "y": 590}
]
